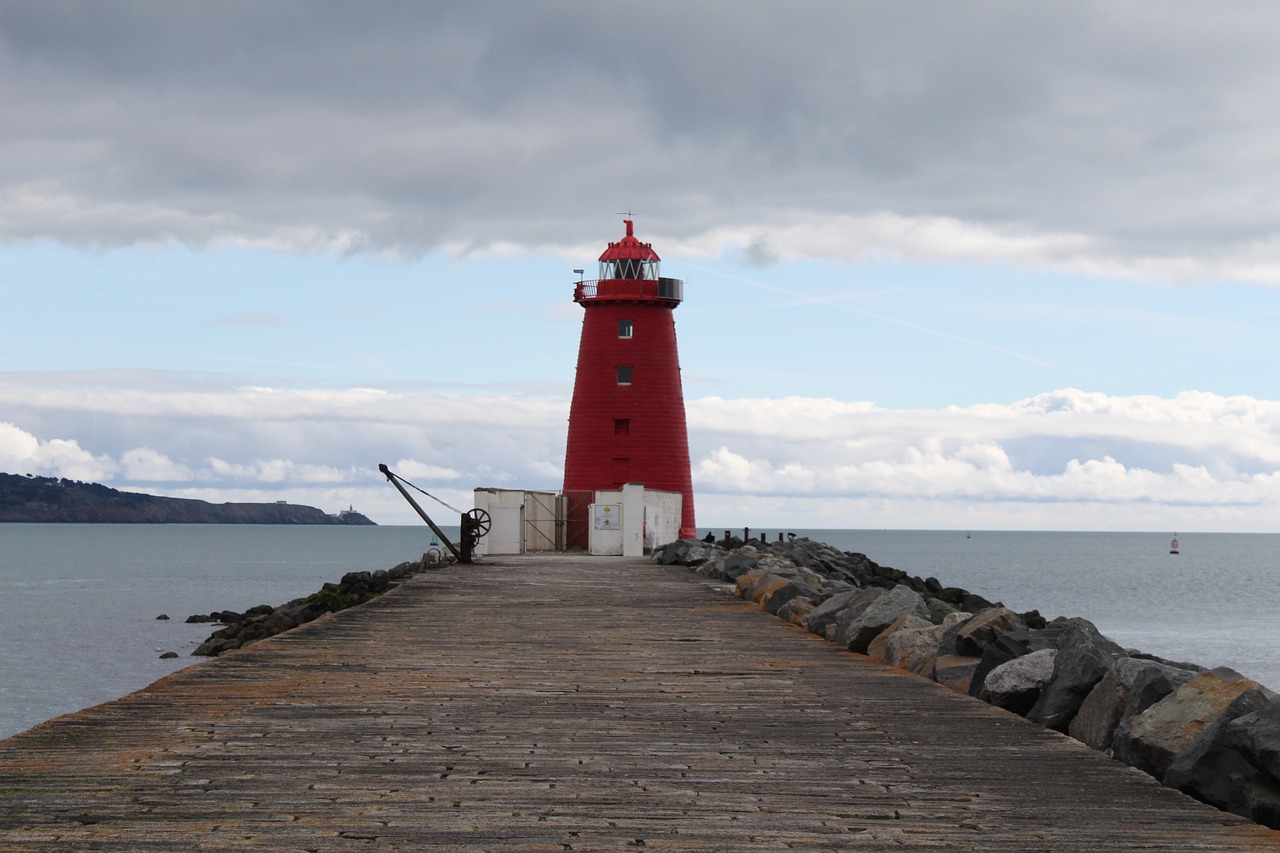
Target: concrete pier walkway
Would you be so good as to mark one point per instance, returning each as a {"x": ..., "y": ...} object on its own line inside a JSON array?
[{"x": 571, "y": 704}]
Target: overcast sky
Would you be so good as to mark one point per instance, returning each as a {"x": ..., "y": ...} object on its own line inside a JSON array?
[{"x": 949, "y": 265}]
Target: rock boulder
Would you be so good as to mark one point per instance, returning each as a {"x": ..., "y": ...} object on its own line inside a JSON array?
[
  {"x": 1154, "y": 739},
  {"x": 1084, "y": 657},
  {"x": 1016, "y": 684},
  {"x": 857, "y": 632}
]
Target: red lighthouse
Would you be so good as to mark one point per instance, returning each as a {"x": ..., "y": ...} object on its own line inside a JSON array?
[{"x": 626, "y": 422}]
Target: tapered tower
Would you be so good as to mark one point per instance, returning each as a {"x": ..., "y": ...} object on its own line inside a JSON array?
[{"x": 626, "y": 422}]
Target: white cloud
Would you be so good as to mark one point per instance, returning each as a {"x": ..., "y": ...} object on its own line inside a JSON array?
[
  {"x": 1064, "y": 459},
  {"x": 23, "y": 453},
  {"x": 146, "y": 465}
]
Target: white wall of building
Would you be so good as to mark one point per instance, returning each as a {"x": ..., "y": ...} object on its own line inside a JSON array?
[
  {"x": 626, "y": 522},
  {"x": 648, "y": 520},
  {"x": 520, "y": 521}
]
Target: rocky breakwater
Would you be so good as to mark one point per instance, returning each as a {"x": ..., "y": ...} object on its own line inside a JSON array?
[
  {"x": 264, "y": 621},
  {"x": 1211, "y": 733}
]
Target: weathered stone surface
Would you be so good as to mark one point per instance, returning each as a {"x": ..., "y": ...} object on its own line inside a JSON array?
[
  {"x": 1257, "y": 735},
  {"x": 825, "y": 560},
  {"x": 1084, "y": 657},
  {"x": 877, "y": 647},
  {"x": 1010, "y": 645},
  {"x": 939, "y": 610},
  {"x": 1232, "y": 763},
  {"x": 796, "y": 610},
  {"x": 736, "y": 564},
  {"x": 984, "y": 629},
  {"x": 687, "y": 552},
  {"x": 955, "y": 671},
  {"x": 1152, "y": 740},
  {"x": 1130, "y": 687},
  {"x": 779, "y": 596},
  {"x": 916, "y": 650},
  {"x": 830, "y": 614},
  {"x": 975, "y": 603},
  {"x": 750, "y": 584},
  {"x": 858, "y": 632},
  {"x": 912, "y": 650},
  {"x": 1016, "y": 684}
]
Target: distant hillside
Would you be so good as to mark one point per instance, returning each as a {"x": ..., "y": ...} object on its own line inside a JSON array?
[{"x": 45, "y": 499}]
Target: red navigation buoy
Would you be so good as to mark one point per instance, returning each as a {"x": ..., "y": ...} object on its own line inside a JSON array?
[{"x": 627, "y": 421}]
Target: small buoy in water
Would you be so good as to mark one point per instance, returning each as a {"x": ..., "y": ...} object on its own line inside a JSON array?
[{"x": 1173, "y": 546}]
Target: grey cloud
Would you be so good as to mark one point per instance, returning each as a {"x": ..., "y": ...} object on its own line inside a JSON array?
[{"x": 407, "y": 127}]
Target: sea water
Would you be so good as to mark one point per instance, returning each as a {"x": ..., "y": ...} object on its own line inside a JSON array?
[{"x": 78, "y": 603}]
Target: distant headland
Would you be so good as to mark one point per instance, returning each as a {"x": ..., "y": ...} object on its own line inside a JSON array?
[{"x": 48, "y": 499}]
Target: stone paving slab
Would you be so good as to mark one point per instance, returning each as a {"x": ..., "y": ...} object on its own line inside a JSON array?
[{"x": 571, "y": 704}]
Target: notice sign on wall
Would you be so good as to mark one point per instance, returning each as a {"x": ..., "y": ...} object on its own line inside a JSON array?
[{"x": 608, "y": 516}]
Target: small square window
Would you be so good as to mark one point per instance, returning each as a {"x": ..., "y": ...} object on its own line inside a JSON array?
[
  {"x": 624, "y": 328},
  {"x": 624, "y": 375},
  {"x": 622, "y": 426}
]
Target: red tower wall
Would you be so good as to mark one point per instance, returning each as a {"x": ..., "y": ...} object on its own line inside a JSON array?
[{"x": 655, "y": 443}]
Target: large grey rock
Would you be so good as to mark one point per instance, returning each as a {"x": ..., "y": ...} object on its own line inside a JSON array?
[
  {"x": 857, "y": 633},
  {"x": 686, "y": 552},
  {"x": 758, "y": 585},
  {"x": 917, "y": 650},
  {"x": 1232, "y": 763},
  {"x": 907, "y": 621},
  {"x": 795, "y": 610},
  {"x": 954, "y": 671},
  {"x": 984, "y": 629},
  {"x": 782, "y": 595},
  {"x": 839, "y": 609},
  {"x": 1084, "y": 657},
  {"x": 1129, "y": 688},
  {"x": 912, "y": 650},
  {"x": 939, "y": 610},
  {"x": 1154, "y": 739},
  {"x": 736, "y": 564},
  {"x": 1010, "y": 645},
  {"x": 1257, "y": 735},
  {"x": 825, "y": 560},
  {"x": 1016, "y": 684}
]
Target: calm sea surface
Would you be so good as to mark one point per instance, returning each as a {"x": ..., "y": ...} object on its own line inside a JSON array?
[{"x": 78, "y": 602}]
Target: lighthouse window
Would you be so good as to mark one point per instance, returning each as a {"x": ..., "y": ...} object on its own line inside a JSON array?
[
  {"x": 624, "y": 375},
  {"x": 624, "y": 328},
  {"x": 622, "y": 426}
]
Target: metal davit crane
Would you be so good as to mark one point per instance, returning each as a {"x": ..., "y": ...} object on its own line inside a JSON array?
[{"x": 473, "y": 523}]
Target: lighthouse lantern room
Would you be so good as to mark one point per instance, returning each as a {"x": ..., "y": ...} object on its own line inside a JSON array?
[{"x": 627, "y": 420}]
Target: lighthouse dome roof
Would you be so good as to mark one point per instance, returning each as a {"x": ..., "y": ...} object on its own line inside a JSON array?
[{"x": 629, "y": 248}]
